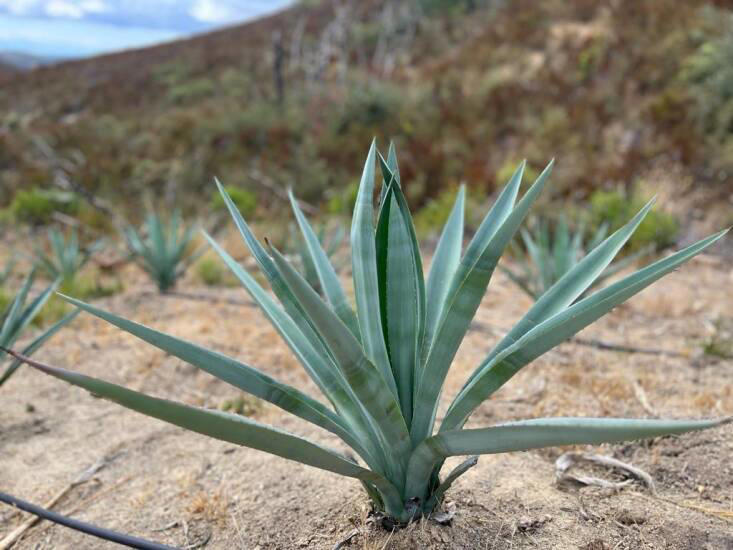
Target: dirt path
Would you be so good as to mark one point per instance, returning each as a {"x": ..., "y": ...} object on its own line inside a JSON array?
[{"x": 183, "y": 489}]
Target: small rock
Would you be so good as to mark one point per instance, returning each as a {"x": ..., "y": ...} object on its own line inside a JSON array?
[{"x": 527, "y": 524}]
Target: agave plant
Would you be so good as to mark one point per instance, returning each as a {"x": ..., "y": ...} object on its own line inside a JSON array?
[
  {"x": 7, "y": 269},
  {"x": 549, "y": 253},
  {"x": 66, "y": 257},
  {"x": 163, "y": 248},
  {"x": 382, "y": 364},
  {"x": 330, "y": 241},
  {"x": 18, "y": 315}
]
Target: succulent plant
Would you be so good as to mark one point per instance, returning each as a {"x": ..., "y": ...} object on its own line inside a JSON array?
[
  {"x": 382, "y": 364},
  {"x": 163, "y": 248},
  {"x": 330, "y": 240},
  {"x": 16, "y": 318},
  {"x": 550, "y": 252},
  {"x": 7, "y": 269},
  {"x": 66, "y": 257}
]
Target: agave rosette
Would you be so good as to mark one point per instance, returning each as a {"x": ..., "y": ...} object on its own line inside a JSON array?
[
  {"x": 381, "y": 363},
  {"x": 548, "y": 254},
  {"x": 163, "y": 248}
]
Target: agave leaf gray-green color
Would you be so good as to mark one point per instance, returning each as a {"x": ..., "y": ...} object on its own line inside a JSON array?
[
  {"x": 163, "y": 248},
  {"x": 18, "y": 315},
  {"x": 381, "y": 362}
]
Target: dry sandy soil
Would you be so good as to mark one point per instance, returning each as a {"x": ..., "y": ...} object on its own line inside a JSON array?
[{"x": 163, "y": 483}]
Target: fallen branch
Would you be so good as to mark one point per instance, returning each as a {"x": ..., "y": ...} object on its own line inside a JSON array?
[
  {"x": 568, "y": 460},
  {"x": 725, "y": 515},
  {"x": 200, "y": 298},
  {"x": 598, "y": 344},
  {"x": 207, "y": 298},
  {"x": 479, "y": 326},
  {"x": 642, "y": 399},
  {"x": 259, "y": 178}
]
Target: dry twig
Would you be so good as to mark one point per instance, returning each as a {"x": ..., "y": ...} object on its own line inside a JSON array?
[
  {"x": 568, "y": 460},
  {"x": 12, "y": 537}
]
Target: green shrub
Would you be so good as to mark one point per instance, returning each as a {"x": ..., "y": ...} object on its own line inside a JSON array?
[
  {"x": 4, "y": 299},
  {"x": 90, "y": 286},
  {"x": 504, "y": 173},
  {"x": 243, "y": 404},
  {"x": 368, "y": 107},
  {"x": 53, "y": 310},
  {"x": 436, "y": 211},
  {"x": 245, "y": 200},
  {"x": 36, "y": 206},
  {"x": 341, "y": 201},
  {"x": 720, "y": 343},
  {"x": 191, "y": 90},
  {"x": 658, "y": 230},
  {"x": 211, "y": 272},
  {"x": 708, "y": 74}
]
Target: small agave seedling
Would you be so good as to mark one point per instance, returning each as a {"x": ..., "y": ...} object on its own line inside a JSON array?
[
  {"x": 67, "y": 258},
  {"x": 163, "y": 249},
  {"x": 549, "y": 254},
  {"x": 382, "y": 364},
  {"x": 18, "y": 315}
]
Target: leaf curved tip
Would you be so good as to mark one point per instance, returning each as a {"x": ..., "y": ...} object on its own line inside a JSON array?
[{"x": 48, "y": 369}]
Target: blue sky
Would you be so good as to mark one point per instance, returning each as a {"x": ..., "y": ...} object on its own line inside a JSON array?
[{"x": 77, "y": 28}]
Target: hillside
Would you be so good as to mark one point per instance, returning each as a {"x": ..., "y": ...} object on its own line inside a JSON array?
[
  {"x": 620, "y": 92},
  {"x": 22, "y": 61},
  {"x": 631, "y": 97}
]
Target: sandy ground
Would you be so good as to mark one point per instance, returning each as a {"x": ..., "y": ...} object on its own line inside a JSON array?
[{"x": 165, "y": 484}]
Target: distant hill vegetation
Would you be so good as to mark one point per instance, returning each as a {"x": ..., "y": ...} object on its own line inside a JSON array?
[
  {"x": 21, "y": 61},
  {"x": 625, "y": 94}
]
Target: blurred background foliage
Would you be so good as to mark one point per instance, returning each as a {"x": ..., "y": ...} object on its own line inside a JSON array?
[{"x": 630, "y": 95}]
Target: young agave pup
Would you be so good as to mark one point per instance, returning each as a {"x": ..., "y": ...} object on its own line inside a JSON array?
[{"x": 382, "y": 364}]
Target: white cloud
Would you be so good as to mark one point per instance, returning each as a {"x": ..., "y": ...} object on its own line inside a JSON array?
[
  {"x": 19, "y": 7},
  {"x": 212, "y": 11},
  {"x": 63, "y": 37},
  {"x": 74, "y": 9},
  {"x": 94, "y": 6},
  {"x": 62, "y": 8}
]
